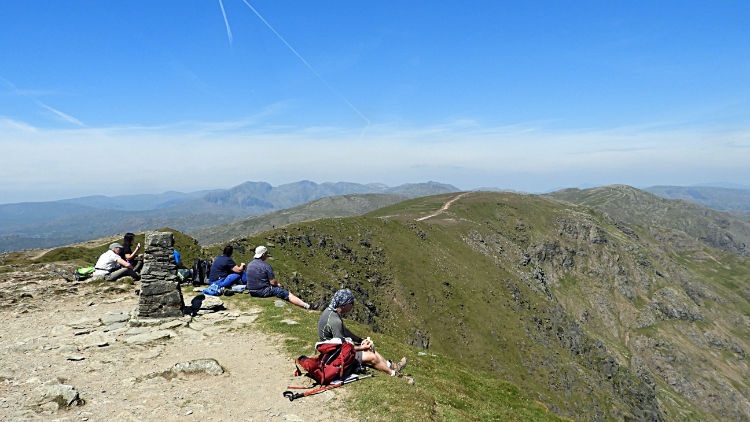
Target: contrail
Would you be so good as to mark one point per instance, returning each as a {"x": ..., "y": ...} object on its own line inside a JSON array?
[
  {"x": 310, "y": 67},
  {"x": 66, "y": 117},
  {"x": 229, "y": 30}
]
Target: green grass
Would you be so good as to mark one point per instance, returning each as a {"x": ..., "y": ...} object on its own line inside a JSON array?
[
  {"x": 446, "y": 389},
  {"x": 500, "y": 342}
]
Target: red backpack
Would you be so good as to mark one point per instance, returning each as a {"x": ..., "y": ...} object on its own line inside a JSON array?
[{"x": 337, "y": 360}]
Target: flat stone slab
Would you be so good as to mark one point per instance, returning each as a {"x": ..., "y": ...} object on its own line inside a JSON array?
[
  {"x": 68, "y": 348},
  {"x": 115, "y": 326},
  {"x": 220, "y": 321},
  {"x": 96, "y": 344},
  {"x": 211, "y": 316},
  {"x": 248, "y": 319},
  {"x": 137, "y": 330},
  {"x": 215, "y": 330},
  {"x": 195, "y": 325},
  {"x": 279, "y": 303},
  {"x": 114, "y": 300},
  {"x": 82, "y": 332},
  {"x": 172, "y": 325},
  {"x": 114, "y": 318},
  {"x": 75, "y": 357},
  {"x": 152, "y": 336},
  {"x": 85, "y": 323},
  {"x": 289, "y": 321}
]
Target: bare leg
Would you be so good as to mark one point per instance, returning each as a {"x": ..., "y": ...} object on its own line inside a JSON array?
[
  {"x": 294, "y": 300},
  {"x": 375, "y": 360}
]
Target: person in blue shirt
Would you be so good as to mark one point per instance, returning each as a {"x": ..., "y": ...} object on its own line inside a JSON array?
[
  {"x": 261, "y": 281},
  {"x": 225, "y": 272}
]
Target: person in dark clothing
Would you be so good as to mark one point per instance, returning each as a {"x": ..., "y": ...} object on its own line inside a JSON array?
[
  {"x": 225, "y": 272},
  {"x": 261, "y": 282},
  {"x": 331, "y": 325},
  {"x": 131, "y": 255}
]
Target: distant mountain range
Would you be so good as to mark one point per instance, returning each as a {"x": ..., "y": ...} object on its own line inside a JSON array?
[
  {"x": 735, "y": 201},
  {"x": 48, "y": 224},
  {"x": 328, "y": 207}
]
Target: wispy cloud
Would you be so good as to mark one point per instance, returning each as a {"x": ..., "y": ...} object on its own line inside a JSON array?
[{"x": 463, "y": 153}]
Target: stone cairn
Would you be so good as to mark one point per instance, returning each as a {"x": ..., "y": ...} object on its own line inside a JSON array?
[{"x": 160, "y": 288}]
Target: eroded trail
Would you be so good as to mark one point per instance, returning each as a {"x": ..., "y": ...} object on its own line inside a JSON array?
[
  {"x": 443, "y": 208},
  {"x": 53, "y": 323}
]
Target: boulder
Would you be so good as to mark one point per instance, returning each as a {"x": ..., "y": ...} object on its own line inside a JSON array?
[
  {"x": 208, "y": 366},
  {"x": 64, "y": 395}
]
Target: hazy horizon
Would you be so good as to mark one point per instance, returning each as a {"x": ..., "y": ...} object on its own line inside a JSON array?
[{"x": 145, "y": 97}]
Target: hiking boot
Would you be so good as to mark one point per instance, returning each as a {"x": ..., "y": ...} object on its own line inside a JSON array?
[
  {"x": 398, "y": 366},
  {"x": 408, "y": 380},
  {"x": 314, "y": 306}
]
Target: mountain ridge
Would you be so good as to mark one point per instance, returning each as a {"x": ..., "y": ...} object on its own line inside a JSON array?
[{"x": 55, "y": 226}]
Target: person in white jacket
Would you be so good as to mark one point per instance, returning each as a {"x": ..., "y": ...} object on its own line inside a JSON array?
[{"x": 110, "y": 266}]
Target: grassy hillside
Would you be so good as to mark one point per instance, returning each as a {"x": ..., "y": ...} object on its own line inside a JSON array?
[
  {"x": 714, "y": 228},
  {"x": 332, "y": 206},
  {"x": 447, "y": 389},
  {"x": 594, "y": 317}
]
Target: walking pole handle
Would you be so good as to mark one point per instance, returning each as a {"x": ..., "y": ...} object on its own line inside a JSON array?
[{"x": 291, "y": 396}]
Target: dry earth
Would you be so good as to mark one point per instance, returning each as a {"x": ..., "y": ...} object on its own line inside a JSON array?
[{"x": 58, "y": 332}]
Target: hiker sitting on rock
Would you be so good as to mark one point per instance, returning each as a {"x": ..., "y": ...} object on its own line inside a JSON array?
[
  {"x": 225, "y": 272},
  {"x": 111, "y": 266},
  {"x": 262, "y": 283},
  {"x": 131, "y": 255},
  {"x": 331, "y": 325}
]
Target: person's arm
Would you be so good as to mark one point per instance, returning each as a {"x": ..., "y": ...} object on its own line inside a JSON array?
[
  {"x": 124, "y": 263},
  {"x": 134, "y": 253},
  {"x": 354, "y": 338},
  {"x": 239, "y": 268},
  {"x": 274, "y": 283}
]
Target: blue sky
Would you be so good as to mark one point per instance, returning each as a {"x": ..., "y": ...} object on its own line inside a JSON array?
[{"x": 142, "y": 97}]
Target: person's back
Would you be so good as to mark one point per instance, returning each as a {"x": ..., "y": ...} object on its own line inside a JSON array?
[
  {"x": 330, "y": 325},
  {"x": 221, "y": 268},
  {"x": 259, "y": 274}
]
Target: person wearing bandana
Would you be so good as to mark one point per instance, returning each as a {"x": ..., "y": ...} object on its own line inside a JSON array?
[{"x": 331, "y": 325}]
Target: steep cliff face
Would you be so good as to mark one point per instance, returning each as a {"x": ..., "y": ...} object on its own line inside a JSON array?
[{"x": 600, "y": 319}]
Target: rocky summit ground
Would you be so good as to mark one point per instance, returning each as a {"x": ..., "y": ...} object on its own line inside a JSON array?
[{"x": 56, "y": 333}]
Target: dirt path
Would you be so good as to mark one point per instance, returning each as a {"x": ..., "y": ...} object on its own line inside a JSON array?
[
  {"x": 445, "y": 207},
  {"x": 40, "y": 334}
]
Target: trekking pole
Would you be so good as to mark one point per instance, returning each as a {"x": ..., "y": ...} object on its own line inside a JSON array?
[
  {"x": 291, "y": 396},
  {"x": 54, "y": 271}
]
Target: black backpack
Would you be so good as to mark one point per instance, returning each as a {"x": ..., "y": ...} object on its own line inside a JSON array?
[{"x": 201, "y": 269}]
